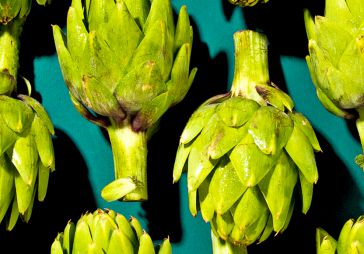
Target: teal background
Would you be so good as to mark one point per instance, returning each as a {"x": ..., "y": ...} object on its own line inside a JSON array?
[{"x": 84, "y": 159}]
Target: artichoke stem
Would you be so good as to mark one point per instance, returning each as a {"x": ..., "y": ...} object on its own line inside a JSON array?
[
  {"x": 9, "y": 54},
  {"x": 251, "y": 64},
  {"x": 130, "y": 158},
  {"x": 220, "y": 246},
  {"x": 360, "y": 126}
]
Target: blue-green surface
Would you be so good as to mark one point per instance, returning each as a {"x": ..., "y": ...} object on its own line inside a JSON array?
[{"x": 343, "y": 186}]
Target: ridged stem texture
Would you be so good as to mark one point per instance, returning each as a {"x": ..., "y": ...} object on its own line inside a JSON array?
[
  {"x": 251, "y": 64},
  {"x": 130, "y": 156}
]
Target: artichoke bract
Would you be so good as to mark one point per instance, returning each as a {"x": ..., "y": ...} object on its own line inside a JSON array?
[
  {"x": 351, "y": 239},
  {"x": 246, "y": 151},
  {"x": 247, "y": 3},
  {"x": 125, "y": 63},
  {"x": 335, "y": 59},
  {"x": 105, "y": 231},
  {"x": 26, "y": 148}
]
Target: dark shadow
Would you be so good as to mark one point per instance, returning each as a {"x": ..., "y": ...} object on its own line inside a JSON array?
[
  {"x": 282, "y": 21},
  {"x": 37, "y": 36},
  {"x": 228, "y": 9},
  {"x": 69, "y": 196},
  {"x": 163, "y": 207},
  {"x": 329, "y": 210}
]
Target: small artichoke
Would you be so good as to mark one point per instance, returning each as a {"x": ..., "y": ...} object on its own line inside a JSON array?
[
  {"x": 247, "y": 3},
  {"x": 26, "y": 156},
  {"x": 246, "y": 151},
  {"x": 336, "y": 59},
  {"x": 108, "y": 232},
  {"x": 125, "y": 63},
  {"x": 351, "y": 239}
]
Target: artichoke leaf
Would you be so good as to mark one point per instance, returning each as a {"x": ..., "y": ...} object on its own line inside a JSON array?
[
  {"x": 250, "y": 208},
  {"x": 206, "y": 201},
  {"x": 199, "y": 163},
  {"x": 277, "y": 188},
  {"x": 43, "y": 143},
  {"x": 224, "y": 224},
  {"x": 100, "y": 99},
  {"x": 275, "y": 97},
  {"x": 82, "y": 237},
  {"x": 181, "y": 157},
  {"x": 183, "y": 30},
  {"x": 39, "y": 110},
  {"x": 270, "y": 129},
  {"x": 99, "y": 13},
  {"x": 122, "y": 35},
  {"x": 306, "y": 193},
  {"x": 304, "y": 125},
  {"x": 250, "y": 163},
  {"x": 139, "y": 10},
  {"x": 300, "y": 150},
  {"x": 76, "y": 34},
  {"x": 140, "y": 86},
  {"x": 155, "y": 47},
  {"x": 151, "y": 112},
  {"x": 236, "y": 111},
  {"x": 16, "y": 114},
  {"x": 196, "y": 122},
  {"x": 225, "y": 187}
]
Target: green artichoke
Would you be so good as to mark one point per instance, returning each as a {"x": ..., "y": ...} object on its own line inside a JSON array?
[
  {"x": 351, "y": 239},
  {"x": 246, "y": 151},
  {"x": 125, "y": 63},
  {"x": 26, "y": 156},
  {"x": 26, "y": 149},
  {"x": 108, "y": 232},
  {"x": 335, "y": 61},
  {"x": 245, "y": 3}
]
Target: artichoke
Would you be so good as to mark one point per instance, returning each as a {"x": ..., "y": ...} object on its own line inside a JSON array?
[
  {"x": 125, "y": 63},
  {"x": 26, "y": 156},
  {"x": 246, "y": 151},
  {"x": 105, "y": 231},
  {"x": 335, "y": 60},
  {"x": 351, "y": 239},
  {"x": 26, "y": 149},
  {"x": 245, "y": 3}
]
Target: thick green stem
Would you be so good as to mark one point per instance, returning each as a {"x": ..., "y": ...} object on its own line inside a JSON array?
[
  {"x": 130, "y": 158},
  {"x": 251, "y": 64},
  {"x": 9, "y": 54},
  {"x": 360, "y": 126},
  {"x": 220, "y": 246}
]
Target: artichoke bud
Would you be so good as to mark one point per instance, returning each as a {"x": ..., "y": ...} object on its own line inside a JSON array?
[
  {"x": 121, "y": 47},
  {"x": 125, "y": 63},
  {"x": 104, "y": 232},
  {"x": 247, "y": 3},
  {"x": 335, "y": 60},
  {"x": 246, "y": 152}
]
